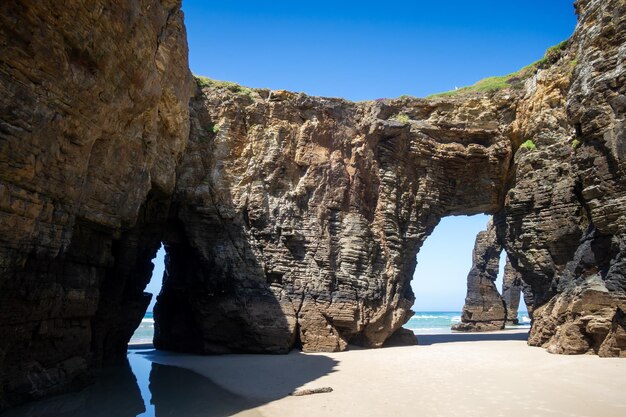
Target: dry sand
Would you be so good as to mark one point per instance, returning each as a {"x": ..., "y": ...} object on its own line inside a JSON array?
[{"x": 494, "y": 374}]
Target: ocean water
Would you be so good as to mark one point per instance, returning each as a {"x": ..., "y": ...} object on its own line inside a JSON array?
[
  {"x": 145, "y": 331},
  {"x": 423, "y": 322},
  {"x": 439, "y": 322}
]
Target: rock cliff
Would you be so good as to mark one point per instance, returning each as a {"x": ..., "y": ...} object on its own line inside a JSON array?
[
  {"x": 484, "y": 307},
  {"x": 93, "y": 120},
  {"x": 288, "y": 220},
  {"x": 512, "y": 289},
  {"x": 563, "y": 222},
  {"x": 302, "y": 216}
]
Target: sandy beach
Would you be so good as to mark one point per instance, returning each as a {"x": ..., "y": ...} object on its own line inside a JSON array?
[{"x": 492, "y": 374}]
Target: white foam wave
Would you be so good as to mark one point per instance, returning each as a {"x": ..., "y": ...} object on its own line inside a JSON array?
[
  {"x": 430, "y": 330},
  {"x": 525, "y": 319},
  {"x": 455, "y": 319},
  {"x": 415, "y": 329},
  {"x": 144, "y": 320},
  {"x": 141, "y": 339}
]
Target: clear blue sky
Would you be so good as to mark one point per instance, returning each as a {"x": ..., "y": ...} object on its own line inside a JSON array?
[
  {"x": 366, "y": 50},
  {"x": 439, "y": 281}
]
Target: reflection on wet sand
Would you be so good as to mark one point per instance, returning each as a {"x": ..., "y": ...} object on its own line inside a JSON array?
[
  {"x": 142, "y": 388},
  {"x": 179, "y": 392}
]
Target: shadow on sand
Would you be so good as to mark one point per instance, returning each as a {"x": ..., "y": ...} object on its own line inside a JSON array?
[
  {"x": 258, "y": 378},
  {"x": 433, "y": 339},
  {"x": 148, "y": 386}
]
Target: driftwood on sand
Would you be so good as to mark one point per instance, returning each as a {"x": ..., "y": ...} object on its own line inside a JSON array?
[{"x": 309, "y": 391}]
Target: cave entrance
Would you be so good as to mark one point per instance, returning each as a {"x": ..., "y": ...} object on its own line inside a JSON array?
[
  {"x": 144, "y": 334},
  {"x": 440, "y": 280}
]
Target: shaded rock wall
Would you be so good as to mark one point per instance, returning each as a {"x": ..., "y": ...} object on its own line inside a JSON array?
[
  {"x": 511, "y": 292},
  {"x": 93, "y": 119},
  {"x": 303, "y": 215}
]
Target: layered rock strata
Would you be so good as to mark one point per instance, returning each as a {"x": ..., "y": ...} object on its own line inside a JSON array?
[
  {"x": 288, "y": 220},
  {"x": 93, "y": 119},
  {"x": 484, "y": 307},
  {"x": 511, "y": 292},
  {"x": 564, "y": 218},
  {"x": 302, "y": 216}
]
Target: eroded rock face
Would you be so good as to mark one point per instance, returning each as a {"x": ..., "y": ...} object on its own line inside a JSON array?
[
  {"x": 93, "y": 119},
  {"x": 288, "y": 220},
  {"x": 511, "y": 291},
  {"x": 563, "y": 220},
  {"x": 303, "y": 215},
  {"x": 484, "y": 308}
]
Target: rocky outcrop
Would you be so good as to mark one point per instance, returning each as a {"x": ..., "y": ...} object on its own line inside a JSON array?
[
  {"x": 484, "y": 308},
  {"x": 302, "y": 216},
  {"x": 563, "y": 219},
  {"x": 529, "y": 299},
  {"x": 288, "y": 220},
  {"x": 511, "y": 291},
  {"x": 93, "y": 119}
]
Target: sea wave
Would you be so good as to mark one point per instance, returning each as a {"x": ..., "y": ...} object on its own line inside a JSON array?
[
  {"x": 525, "y": 319},
  {"x": 455, "y": 319},
  {"x": 145, "y": 320},
  {"x": 430, "y": 330},
  {"x": 427, "y": 328}
]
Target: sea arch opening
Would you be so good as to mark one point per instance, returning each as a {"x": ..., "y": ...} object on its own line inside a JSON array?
[
  {"x": 144, "y": 334},
  {"x": 444, "y": 292}
]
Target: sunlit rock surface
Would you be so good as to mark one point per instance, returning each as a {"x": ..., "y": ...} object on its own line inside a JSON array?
[
  {"x": 303, "y": 215},
  {"x": 564, "y": 219},
  {"x": 484, "y": 307}
]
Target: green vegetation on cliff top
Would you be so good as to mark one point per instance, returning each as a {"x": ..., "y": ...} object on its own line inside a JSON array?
[
  {"x": 513, "y": 80},
  {"x": 227, "y": 85}
]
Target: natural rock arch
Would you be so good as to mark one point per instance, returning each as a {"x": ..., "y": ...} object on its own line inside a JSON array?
[
  {"x": 329, "y": 202},
  {"x": 288, "y": 219}
]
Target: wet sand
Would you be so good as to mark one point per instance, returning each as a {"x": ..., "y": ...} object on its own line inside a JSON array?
[
  {"x": 146, "y": 389},
  {"x": 490, "y": 374}
]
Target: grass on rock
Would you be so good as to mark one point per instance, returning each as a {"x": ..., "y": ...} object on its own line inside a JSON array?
[
  {"x": 227, "y": 85},
  {"x": 514, "y": 80},
  {"x": 529, "y": 144},
  {"x": 402, "y": 118}
]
